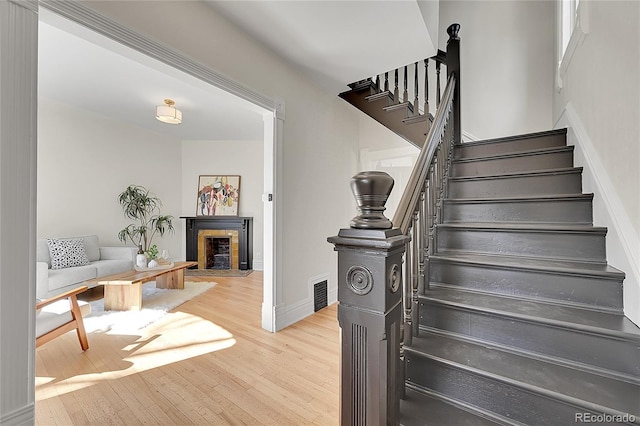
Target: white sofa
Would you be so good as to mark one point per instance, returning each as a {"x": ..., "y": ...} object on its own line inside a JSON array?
[{"x": 101, "y": 261}]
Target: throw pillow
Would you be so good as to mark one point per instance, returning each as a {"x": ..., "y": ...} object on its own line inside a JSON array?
[{"x": 67, "y": 253}]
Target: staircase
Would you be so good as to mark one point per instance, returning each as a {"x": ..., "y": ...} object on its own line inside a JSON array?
[
  {"x": 387, "y": 108},
  {"x": 506, "y": 311},
  {"x": 522, "y": 319}
]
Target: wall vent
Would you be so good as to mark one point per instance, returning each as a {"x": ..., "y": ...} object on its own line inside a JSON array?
[{"x": 319, "y": 295}]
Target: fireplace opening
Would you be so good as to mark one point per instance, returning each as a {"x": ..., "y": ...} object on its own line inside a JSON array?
[
  {"x": 218, "y": 249},
  {"x": 217, "y": 253}
]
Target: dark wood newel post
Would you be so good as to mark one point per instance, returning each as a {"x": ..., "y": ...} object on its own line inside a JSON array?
[
  {"x": 453, "y": 67},
  {"x": 370, "y": 306}
]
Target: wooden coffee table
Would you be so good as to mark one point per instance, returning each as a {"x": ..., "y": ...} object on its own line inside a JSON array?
[{"x": 123, "y": 291}]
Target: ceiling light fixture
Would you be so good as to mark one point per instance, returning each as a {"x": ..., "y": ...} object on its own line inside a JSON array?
[{"x": 167, "y": 113}]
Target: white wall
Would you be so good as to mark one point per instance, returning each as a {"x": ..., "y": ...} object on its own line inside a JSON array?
[
  {"x": 600, "y": 102},
  {"x": 86, "y": 160},
  {"x": 244, "y": 158},
  {"x": 320, "y": 147},
  {"x": 507, "y": 57},
  {"x": 383, "y": 150}
]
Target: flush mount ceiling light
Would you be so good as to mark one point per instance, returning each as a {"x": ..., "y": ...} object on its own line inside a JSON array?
[{"x": 167, "y": 113}]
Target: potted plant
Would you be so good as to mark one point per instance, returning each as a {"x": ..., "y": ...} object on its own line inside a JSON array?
[{"x": 139, "y": 204}]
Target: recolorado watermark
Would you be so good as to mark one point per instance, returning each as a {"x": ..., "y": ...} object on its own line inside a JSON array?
[{"x": 604, "y": 418}]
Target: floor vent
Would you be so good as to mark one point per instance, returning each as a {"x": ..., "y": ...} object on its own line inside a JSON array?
[{"x": 319, "y": 295}]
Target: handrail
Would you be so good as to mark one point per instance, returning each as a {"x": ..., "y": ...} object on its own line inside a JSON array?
[{"x": 403, "y": 217}]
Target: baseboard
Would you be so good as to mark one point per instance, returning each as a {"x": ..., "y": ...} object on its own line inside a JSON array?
[
  {"x": 294, "y": 312},
  {"x": 258, "y": 265},
  {"x": 21, "y": 416},
  {"x": 468, "y": 137},
  {"x": 623, "y": 245}
]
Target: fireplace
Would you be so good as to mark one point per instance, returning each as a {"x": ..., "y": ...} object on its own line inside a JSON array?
[
  {"x": 219, "y": 242},
  {"x": 218, "y": 249}
]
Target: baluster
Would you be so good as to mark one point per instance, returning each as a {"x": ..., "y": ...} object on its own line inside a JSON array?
[
  {"x": 416, "y": 108},
  {"x": 449, "y": 135},
  {"x": 386, "y": 81},
  {"x": 417, "y": 242},
  {"x": 396, "y": 93},
  {"x": 424, "y": 285},
  {"x": 405, "y": 94},
  {"x": 405, "y": 328},
  {"x": 437, "y": 84},
  {"x": 426, "y": 86},
  {"x": 441, "y": 185},
  {"x": 406, "y": 291},
  {"x": 432, "y": 207},
  {"x": 378, "y": 83}
]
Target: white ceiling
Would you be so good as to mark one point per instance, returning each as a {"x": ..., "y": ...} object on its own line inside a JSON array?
[
  {"x": 336, "y": 42},
  {"x": 333, "y": 42},
  {"x": 81, "y": 68}
]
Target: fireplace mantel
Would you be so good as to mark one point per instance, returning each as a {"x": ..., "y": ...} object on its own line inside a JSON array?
[{"x": 244, "y": 226}]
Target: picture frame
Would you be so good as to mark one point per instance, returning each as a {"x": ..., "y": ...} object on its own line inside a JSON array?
[{"x": 218, "y": 195}]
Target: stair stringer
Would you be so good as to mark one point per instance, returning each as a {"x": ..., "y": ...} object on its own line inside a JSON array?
[{"x": 399, "y": 117}]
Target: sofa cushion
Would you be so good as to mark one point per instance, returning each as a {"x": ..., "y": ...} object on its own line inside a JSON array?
[
  {"x": 66, "y": 253},
  {"x": 108, "y": 267},
  {"x": 59, "y": 278},
  {"x": 91, "y": 247},
  {"x": 42, "y": 252}
]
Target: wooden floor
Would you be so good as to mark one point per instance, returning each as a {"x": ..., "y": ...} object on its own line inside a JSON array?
[{"x": 208, "y": 362}]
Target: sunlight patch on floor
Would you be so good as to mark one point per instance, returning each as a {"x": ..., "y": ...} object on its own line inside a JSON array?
[{"x": 176, "y": 337}]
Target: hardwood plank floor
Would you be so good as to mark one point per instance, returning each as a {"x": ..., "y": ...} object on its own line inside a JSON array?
[{"x": 208, "y": 362}]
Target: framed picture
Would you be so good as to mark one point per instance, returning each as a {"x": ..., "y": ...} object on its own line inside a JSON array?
[{"x": 218, "y": 195}]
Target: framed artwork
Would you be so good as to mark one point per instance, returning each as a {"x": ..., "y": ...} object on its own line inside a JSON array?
[{"x": 218, "y": 195}]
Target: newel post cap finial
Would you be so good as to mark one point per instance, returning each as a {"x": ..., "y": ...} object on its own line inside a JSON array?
[
  {"x": 371, "y": 190},
  {"x": 453, "y": 31}
]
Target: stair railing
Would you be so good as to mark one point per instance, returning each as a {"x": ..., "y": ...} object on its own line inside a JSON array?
[
  {"x": 378, "y": 310},
  {"x": 420, "y": 210}
]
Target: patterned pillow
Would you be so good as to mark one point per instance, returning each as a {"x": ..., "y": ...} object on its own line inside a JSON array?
[{"x": 66, "y": 253}]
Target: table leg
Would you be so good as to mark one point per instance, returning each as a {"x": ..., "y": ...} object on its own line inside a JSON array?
[
  {"x": 171, "y": 280},
  {"x": 123, "y": 297}
]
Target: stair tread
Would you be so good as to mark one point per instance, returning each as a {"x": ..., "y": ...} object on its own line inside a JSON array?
[
  {"x": 598, "y": 322},
  {"x": 399, "y": 106},
  {"x": 562, "y": 170},
  {"x": 421, "y": 118},
  {"x": 519, "y": 262},
  {"x": 512, "y": 154},
  {"x": 516, "y": 137},
  {"x": 530, "y": 198},
  {"x": 420, "y": 409},
  {"x": 531, "y": 373},
  {"x": 381, "y": 95},
  {"x": 526, "y": 226}
]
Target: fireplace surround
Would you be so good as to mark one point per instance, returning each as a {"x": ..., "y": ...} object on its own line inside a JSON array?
[{"x": 234, "y": 250}]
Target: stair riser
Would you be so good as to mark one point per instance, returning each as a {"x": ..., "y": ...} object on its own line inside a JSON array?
[
  {"x": 565, "y": 288},
  {"x": 575, "y": 246},
  {"x": 591, "y": 349},
  {"x": 546, "y": 161},
  {"x": 569, "y": 211},
  {"x": 504, "y": 399},
  {"x": 545, "y": 184},
  {"x": 518, "y": 145}
]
